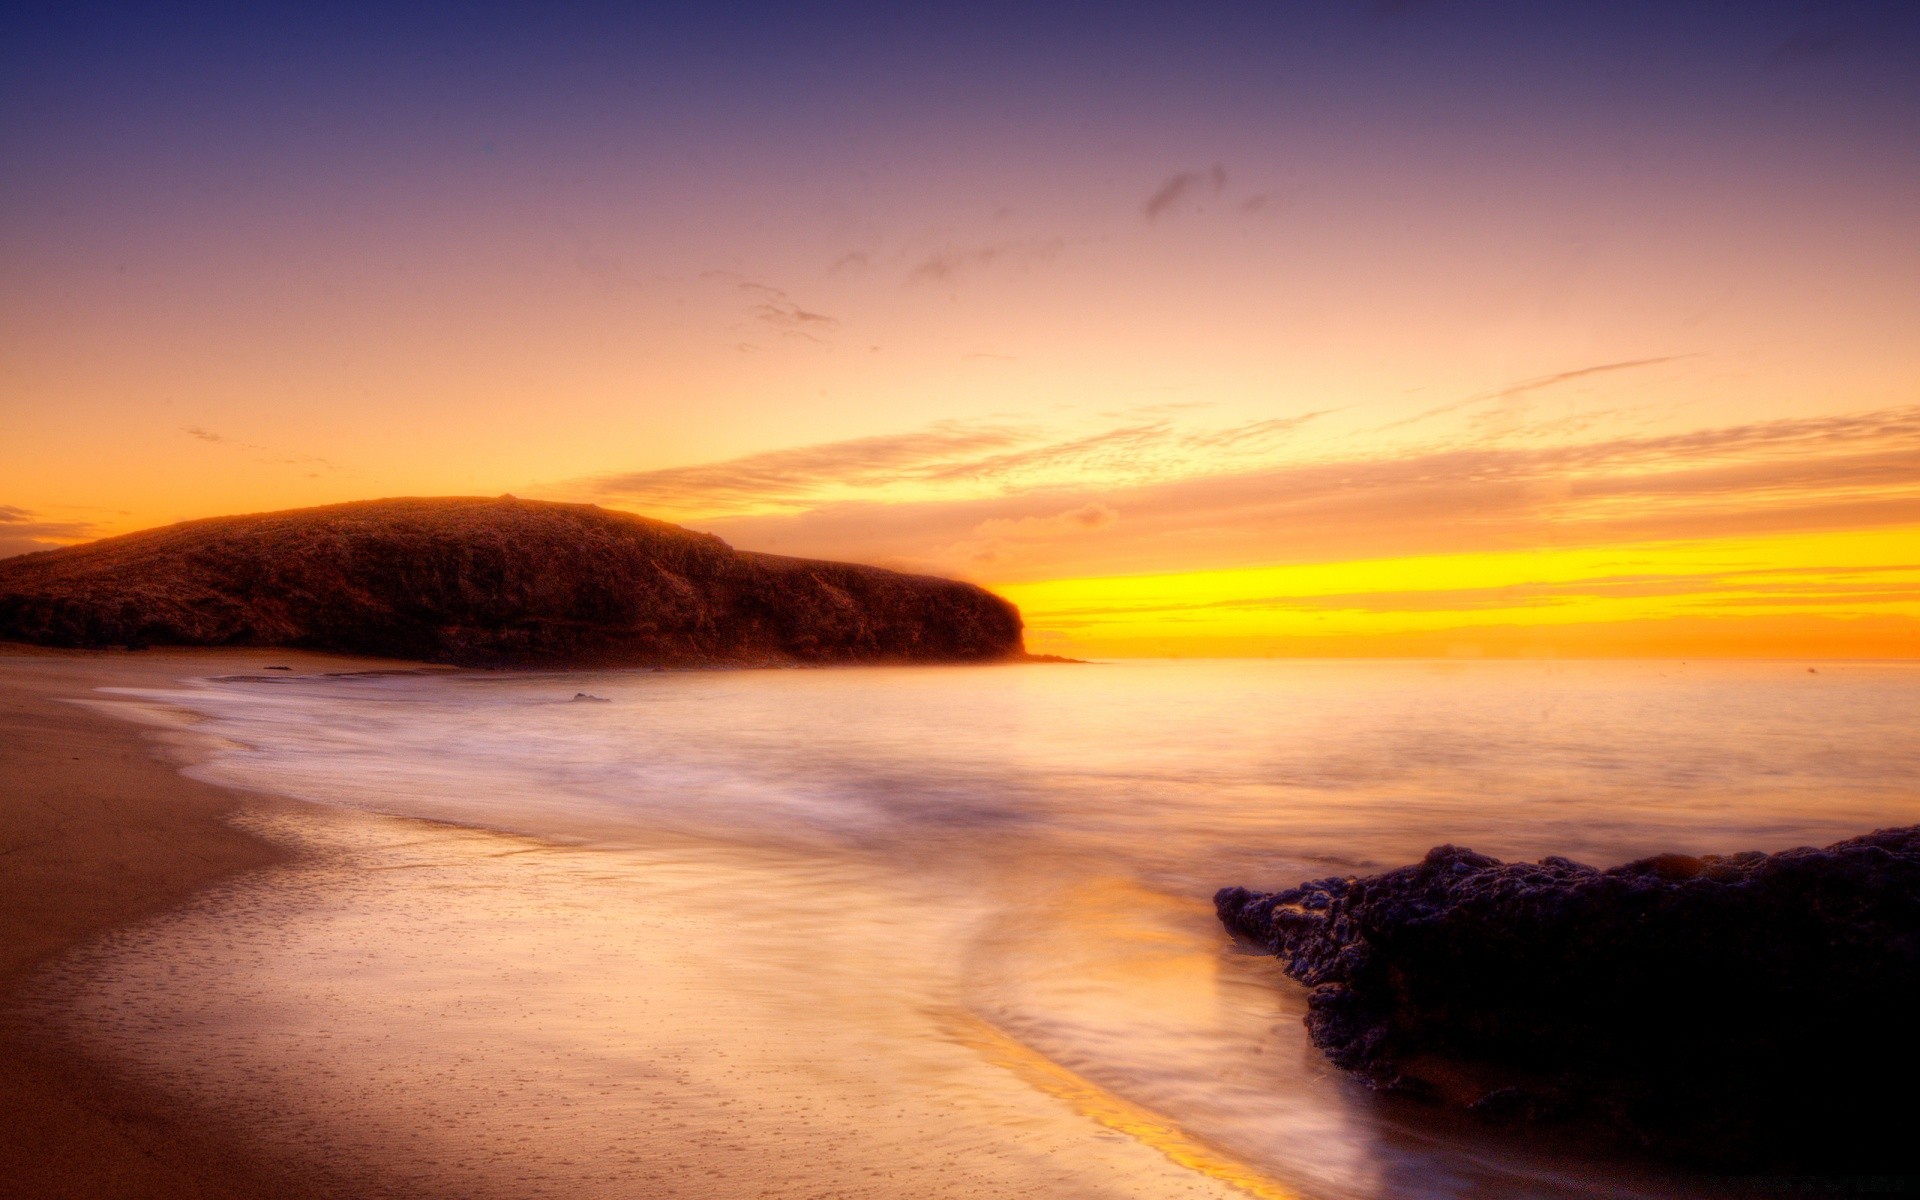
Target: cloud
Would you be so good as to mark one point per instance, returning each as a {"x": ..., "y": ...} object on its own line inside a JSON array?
[
  {"x": 1523, "y": 387},
  {"x": 792, "y": 475},
  {"x": 987, "y": 499},
  {"x": 1252, "y": 433},
  {"x": 23, "y": 531},
  {"x": 269, "y": 457},
  {"x": 1182, "y": 189},
  {"x": 990, "y": 543},
  {"x": 774, "y": 308},
  {"x": 945, "y": 265},
  {"x": 1848, "y": 471},
  {"x": 947, "y": 457},
  {"x": 788, "y": 317}
]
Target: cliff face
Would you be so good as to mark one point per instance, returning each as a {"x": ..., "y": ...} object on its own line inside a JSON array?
[
  {"x": 1747, "y": 1011},
  {"x": 490, "y": 582}
]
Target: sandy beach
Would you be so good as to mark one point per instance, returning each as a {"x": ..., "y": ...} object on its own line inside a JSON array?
[{"x": 99, "y": 829}]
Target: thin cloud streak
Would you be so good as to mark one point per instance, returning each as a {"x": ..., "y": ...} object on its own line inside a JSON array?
[
  {"x": 943, "y": 266},
  {"x": 1525, "y": 386},
  {"x": 949, "y": 454},
  {"x": 790, "y": 476},
  {"x": 1182, "y": 188}
]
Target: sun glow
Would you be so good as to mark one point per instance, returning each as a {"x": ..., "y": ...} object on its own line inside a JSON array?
[{"x": 1851, "y": 593}]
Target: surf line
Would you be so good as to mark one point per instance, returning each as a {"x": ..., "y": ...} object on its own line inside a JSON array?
[{"x": 1091, "y": 1100}]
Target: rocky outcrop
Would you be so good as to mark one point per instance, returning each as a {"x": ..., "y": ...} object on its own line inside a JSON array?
[
  {"x": 1749, "y": 1010},
  {"x": 490, "y": 582}
]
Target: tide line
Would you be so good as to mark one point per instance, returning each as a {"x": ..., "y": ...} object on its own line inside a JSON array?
[{"x": 1103, "y": 1107}]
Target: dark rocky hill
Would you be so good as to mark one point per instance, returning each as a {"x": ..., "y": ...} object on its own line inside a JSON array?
[{"x": 490, "y": 582}]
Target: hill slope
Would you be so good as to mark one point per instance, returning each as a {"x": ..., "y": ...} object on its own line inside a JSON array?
[{"x": 490, "y": 582}]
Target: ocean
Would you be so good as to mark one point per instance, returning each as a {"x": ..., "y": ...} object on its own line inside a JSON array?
[{"x": 905, "y": 931}]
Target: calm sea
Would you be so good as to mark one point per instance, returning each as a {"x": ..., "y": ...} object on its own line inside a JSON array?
[{"x": 893, "y": 932}]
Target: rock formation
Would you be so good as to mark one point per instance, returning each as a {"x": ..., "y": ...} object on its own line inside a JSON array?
[
  {"x": 1746, "y": 1011},
  {"x": 490, "y": 582}
]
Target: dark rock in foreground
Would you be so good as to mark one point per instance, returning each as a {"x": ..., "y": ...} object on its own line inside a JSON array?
[
  {"x": 481, "y": 582},
  {"x": 1747, "y": 1011}
]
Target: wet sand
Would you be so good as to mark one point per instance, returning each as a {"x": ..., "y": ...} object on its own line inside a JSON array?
[
  {"x": 99, "y": 830},
  {"x": 730, "y": 1084}
]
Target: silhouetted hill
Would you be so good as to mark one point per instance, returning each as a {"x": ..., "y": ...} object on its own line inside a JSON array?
[{"x": 490, "y": 581}]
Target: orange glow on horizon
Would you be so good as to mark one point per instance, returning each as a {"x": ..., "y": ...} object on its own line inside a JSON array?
[{"x": 1854, "y": 595}]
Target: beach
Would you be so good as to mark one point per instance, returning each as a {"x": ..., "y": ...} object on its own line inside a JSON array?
[
  {"x": 929, "y": 931},
  {"x": 99, "y": 830}
]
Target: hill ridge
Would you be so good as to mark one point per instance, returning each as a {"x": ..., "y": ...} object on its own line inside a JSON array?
[{"x": 495, "y": 581}]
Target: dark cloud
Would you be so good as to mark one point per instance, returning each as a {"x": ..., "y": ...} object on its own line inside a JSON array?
[
  {"x": 1184, "y": 188},
  {"x": 205, "y": 435}
]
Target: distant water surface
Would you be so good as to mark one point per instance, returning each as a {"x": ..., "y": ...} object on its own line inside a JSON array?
[{"x": 911, "y": 931}]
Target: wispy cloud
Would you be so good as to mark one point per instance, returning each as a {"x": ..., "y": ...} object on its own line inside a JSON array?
[
  {"x": 793, "y": 475},
  {"x": 1525, "y": 386},
  {"x": 1265, "y": 202},
  {"x": 264, "y": 455},
  {"x": 1848, "y": 471},
  {"x": 947, "y": 264},
  {"x": 989, "y": 542},
  {"x": 1184, "y": 189},
  {"x": 773, "y": 308},
  {"x": 23, "y": 531},
  {"x": 950, "y": 457},
  {"x": 1253, "y": 433}
]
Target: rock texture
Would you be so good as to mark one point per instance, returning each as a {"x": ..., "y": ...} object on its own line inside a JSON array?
[
  {"x": 490, "y": 582},
  {"x": 1749, "y": 1011}
]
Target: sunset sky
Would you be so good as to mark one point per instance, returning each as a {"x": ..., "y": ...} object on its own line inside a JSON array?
[{"x": 1407, "y": 327}]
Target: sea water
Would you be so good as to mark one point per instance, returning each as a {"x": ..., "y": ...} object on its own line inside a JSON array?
[{"x": 906, "y": 931}]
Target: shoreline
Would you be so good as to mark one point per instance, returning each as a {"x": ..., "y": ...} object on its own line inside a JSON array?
[
  {"x": 152, "y": 1114},
  {"x": 99, "y": 829}
]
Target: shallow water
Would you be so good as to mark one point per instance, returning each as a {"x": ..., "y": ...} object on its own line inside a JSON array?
[{"x": 908, "y": 931}]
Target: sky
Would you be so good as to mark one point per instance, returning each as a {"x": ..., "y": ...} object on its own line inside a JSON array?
[{"x": 1413, "y": 327}]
